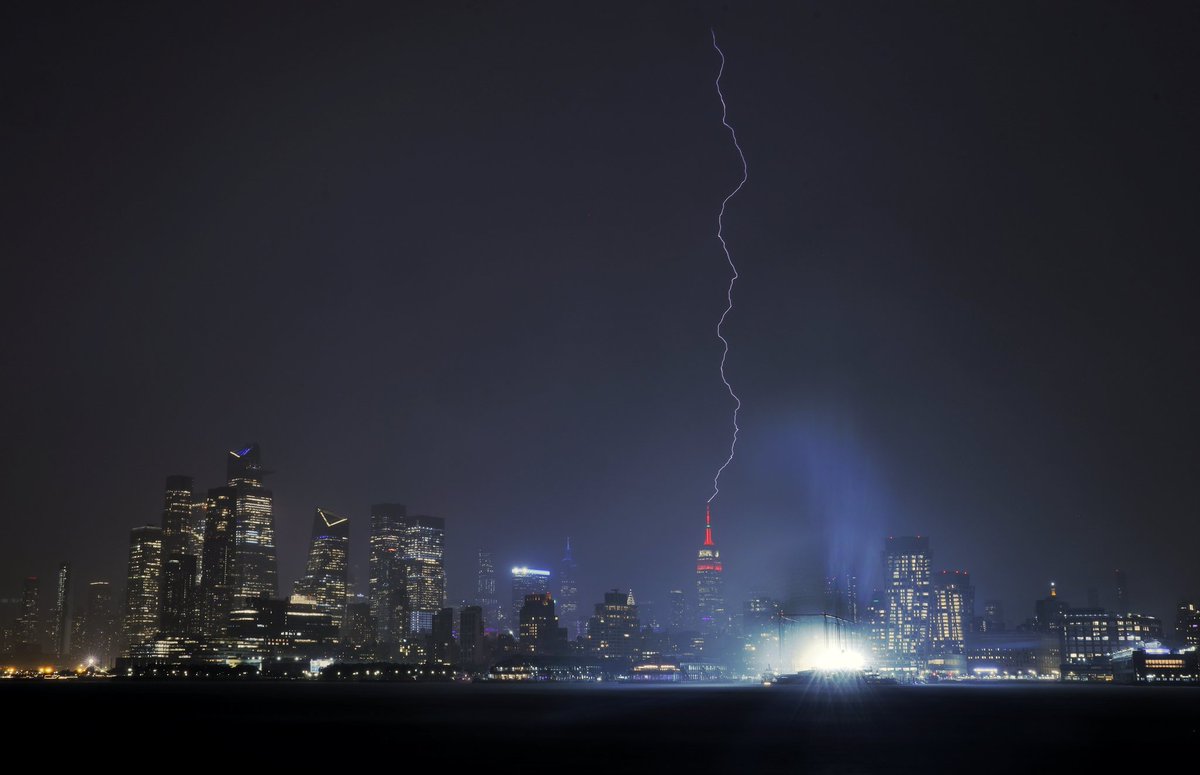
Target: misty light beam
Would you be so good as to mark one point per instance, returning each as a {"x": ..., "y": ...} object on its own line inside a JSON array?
[{"x": 728, "y": 257}]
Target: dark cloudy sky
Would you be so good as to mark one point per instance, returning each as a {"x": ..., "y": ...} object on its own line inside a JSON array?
[{"x": 462, "y": 256}]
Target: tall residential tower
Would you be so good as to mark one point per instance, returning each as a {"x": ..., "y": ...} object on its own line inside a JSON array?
[{"x": 907, "y": 574}]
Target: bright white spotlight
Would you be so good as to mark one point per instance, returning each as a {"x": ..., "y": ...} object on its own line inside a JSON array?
[{"x": 833, "y": 660}]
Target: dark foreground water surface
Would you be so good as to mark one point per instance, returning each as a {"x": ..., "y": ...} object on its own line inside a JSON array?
[{"x": 564, "y": 728}]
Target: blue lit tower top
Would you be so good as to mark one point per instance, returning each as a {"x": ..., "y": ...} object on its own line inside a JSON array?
[{"x": 244, "y": 466}]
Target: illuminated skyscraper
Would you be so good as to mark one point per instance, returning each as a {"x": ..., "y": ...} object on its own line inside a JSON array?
[
  {"x": 181, "y": 560},
  {"x": 423, "y": 550},
  {"x": 568, "y": 595},
  {"x": 142, "y": 584},
  {"x": 614, "y": 629},
  {"x": 180, "y": 597},
  {"x": 906, "y": 562},
  {"x": 1135, "y": 630},
  {"x": 953, "y": 606},
  {"x": 358, "y": 628},
  {"x": 325, "y": 575},
  {"x": 485, "y": 592},
  {"x": 217, "y": 572},
  {"x": 710, "y": 591},
  {"x": 526, "y": 581},
  {"x": 387, "y": 570},
  {"x": 62, "y": 611},
  {"x": 1187, "y": 623},
  {"x": 1049, "y": 612},
  {"x": 540, "y": 633},
  {"x": 874, "y": 621},
  {"x": 178, "y": 521},
  {"x": 256, "y": 565},
  {"x": 27, "y": 625},
  {"x": 239, "y": 564}
]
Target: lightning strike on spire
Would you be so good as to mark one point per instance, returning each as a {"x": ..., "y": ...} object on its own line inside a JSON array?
[{"x": 729, "y": 293}]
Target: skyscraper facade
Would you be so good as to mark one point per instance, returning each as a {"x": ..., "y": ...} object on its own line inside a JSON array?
[
  {"x": 239, "y": 563},
  {"x": 676, "y": 610},
  {"x": 1187, "y": 623},
  {"x": 993, "y": 616},
  {"x": 387, "y": 570},
  {"x": 841, "y": 597},
  {"x": 470, "y": 635},
  {"x": 325, "y": 576},
  {"x": 28, "y": 622},
  {"x": 540, "y": 632},
  {"x": 217, "y": 580},
  {"x": 710, "y": 591},
  {"x": 142, "y": 584},
  {"x": 62, "y": 611},
  {"x": 485, "y": 592},
  {"x": 180, "y": 599},
  {"x": 181, "y": 554},
  {"x": 568, "y": 595},
  {"x": 526, "y": 581},
  {"x": 424, "y": 549},
  {"x": 907, "y": 576},
  {"x": 874, "y": 624},
  {"x": 256, "y": 565},
  {"x": 178, "y": 521},
  {"x": 953, "y": 609},
  {"x": 444, "y": 648},
  {"x": 614, "y": 627},
  {"x": 97, "y": 634}
]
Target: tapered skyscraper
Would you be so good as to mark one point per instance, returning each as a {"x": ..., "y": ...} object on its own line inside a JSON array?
[
  {"x": 710, "y": 591},
  {"x": 326, "y": 574},
  {"x": 239, "y": 562}
]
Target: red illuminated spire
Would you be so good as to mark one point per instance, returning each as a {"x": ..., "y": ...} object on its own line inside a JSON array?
[{"x": 708, "y": 525}]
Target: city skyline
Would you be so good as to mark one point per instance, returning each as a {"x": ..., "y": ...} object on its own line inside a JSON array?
[
  {"x": 439, "y": 272},
  {"x": 917, "y": 620},
  {"x": 180, "y": 507}
]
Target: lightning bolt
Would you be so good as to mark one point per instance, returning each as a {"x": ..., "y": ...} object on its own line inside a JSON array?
[{"x": 728, "y": 257}]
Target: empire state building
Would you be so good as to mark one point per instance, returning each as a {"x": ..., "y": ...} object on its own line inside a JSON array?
[{"x": 710, "y": 593}]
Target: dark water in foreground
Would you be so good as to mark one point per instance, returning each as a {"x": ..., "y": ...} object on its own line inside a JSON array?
[{"x": 564, "y": 728}]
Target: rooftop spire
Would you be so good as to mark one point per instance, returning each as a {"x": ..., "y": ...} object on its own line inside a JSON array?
[{"x": 708, "y": 525}]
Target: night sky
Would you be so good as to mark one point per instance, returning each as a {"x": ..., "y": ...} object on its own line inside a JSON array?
[{"x": 463, "y": 257}]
